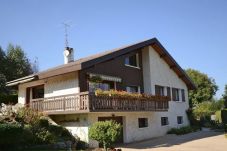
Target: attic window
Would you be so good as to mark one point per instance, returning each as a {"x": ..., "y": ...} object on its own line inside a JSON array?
[{"x": 132, "y": 61}]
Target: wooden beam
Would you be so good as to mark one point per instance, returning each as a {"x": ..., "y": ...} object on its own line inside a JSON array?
[
  {"x": 172, "y": 66},
  {"x": 162, "y": 55}
]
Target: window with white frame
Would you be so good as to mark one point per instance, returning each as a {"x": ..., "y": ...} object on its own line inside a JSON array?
[
  {"x": 132, "y": 60},
  {"x": 143, "y": 122},
  {"x": 175, "y": 94},
  {"x": 159, "y": 90},
  {"x": 179, "y": 119},
  {"x": 164, "y": 121}
]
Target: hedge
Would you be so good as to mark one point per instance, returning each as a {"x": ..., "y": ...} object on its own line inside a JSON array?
[{"x": 8, "y": 99}]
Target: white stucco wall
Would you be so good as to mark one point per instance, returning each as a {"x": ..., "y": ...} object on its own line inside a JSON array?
[
  {"x": 77, "y": 124},
  {"x": 62, "y": 85},
  {"x": 157, "y": 72},
  {"x": 54, "y": 86}
]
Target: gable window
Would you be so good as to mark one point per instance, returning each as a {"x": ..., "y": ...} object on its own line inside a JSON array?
[
  {"x": 179, "y": 119},
  {"x": 143, "y": 122},
  {"x": 164, "y": 121},
  {"x": 175, "y": 94},
  {"x": 38, "y": 92},
  {"x": 183, "y": 95},
  {"x": 168, "y": 92},
  {"x": 132, "y": 61},
  {"x": 159, "y": 90},
  {"x": 133, "y": 89}
]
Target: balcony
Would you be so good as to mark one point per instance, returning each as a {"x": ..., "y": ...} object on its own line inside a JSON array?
[{"x": 89, "y": 102}]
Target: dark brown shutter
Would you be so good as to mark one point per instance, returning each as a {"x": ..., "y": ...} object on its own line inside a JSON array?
[
  {"x": 168, "y": 92},
  {"x": 174, "y": 94},
  {"x": 183, "y": 95}
]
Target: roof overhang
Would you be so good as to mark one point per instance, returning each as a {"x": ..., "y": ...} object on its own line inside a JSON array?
[{"x": 22, "y": 80}]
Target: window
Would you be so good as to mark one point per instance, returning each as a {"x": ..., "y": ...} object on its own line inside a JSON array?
[
  {"x": 168, "y": 92},
  {"x": 175, "y": 94},
  {"x": 133, "y": 89},
  {"x": 132, "y": 60},
  {"x": 159, "y": 90},
  {"x": 179, "y": 119},
  {"x": 103, "y": 86},
  {"x": 183, "y": 95},
  {"x": 143, "y": 122},
  {"x": 38, "y": 92},
  {"x": 164, "y": 121}
]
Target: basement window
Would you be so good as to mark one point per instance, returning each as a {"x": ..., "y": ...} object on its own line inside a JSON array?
[
  {"x": 179, "y": 119},
  {"x": 143, "y": 122},
  {"x": 164, "y": 121}
]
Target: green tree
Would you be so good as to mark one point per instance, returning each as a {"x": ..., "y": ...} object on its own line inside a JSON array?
[
  {"x": 18, "y": 65},
  {"x": 224, "y": 96},
  {"x": 206, "y": 87},
  {"x": 105, "y": 133}
]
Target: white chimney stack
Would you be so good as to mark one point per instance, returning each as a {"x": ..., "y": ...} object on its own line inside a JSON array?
[{"x": 68, "y": 55}]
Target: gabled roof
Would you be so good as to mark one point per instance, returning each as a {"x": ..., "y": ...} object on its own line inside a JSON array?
[{"x": 107, "y": 55}]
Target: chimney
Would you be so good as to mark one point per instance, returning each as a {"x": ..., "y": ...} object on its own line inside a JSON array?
[{"x": 68, "y": 55}]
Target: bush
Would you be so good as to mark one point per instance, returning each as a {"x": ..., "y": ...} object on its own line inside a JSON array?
[
  {"x": 10, "y": 135},
  {"x": 218, "y": 116},
  {"x": 224, "y": 116},
  {"x": 8, "y": 99},
  {"x": 105, "y": 133},
  {"x": 181, "y": 131},
  {"x": 44, "y": 137}
]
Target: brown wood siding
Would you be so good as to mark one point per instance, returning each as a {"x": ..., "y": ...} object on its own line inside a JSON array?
[{"x": 115, "y": 67}]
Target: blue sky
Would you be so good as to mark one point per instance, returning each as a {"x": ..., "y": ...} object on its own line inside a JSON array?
[{"x": 194, "y": 32}]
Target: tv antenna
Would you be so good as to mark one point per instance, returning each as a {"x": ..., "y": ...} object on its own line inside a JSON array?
[{"x": 66, "y": 26}]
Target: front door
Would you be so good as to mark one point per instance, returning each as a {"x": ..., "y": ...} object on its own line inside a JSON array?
[{"x": 117, "y": 119}]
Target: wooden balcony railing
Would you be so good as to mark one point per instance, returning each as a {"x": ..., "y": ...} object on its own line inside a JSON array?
[{"x": 87, "y": 102}]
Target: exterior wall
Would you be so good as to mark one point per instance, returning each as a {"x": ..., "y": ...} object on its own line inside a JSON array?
[
  {"x": 157, "y": 72},
  {"x": 116, "y": 67},
  {"x": 59, "y": 85},
  {"x": 77, "y": 124},
  {"x": 62, "y": 85}
]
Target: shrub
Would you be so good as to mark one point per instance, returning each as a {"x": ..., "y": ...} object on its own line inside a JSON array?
[
  {"x": 218, "y": 116},
  {"x": 181, "y": 131},
  {"x": 105, "y": 133},
  {"x": 28, "y": 116},
  {"x": 56, "y": 130},
  {"x": 10, "y": 134},
  {"x": 8, "y": 98},
  {"x": 224, "y": 116},
  {"x": 44, "y": 137}
]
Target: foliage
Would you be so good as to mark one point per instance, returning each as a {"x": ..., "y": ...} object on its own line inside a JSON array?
[
  {"x": 105, "y": 132},
  {"x": 14, "y": 64},
  {"x": 28, "y": 116},
  {"x": 34, "y": 128},
  {"x": 206, "y": 87},
  {"x": 18, "y": 65},
  {"x": 218, "y": 116},
  {"x": 224, "y": 96},
  {"x": 124, "y": 94},
  {"x": 192, "y": 119},
  {"x": 181, "y": 131},
  {"x": 8, "y": 98},
  {"x": 224, "y": 116},
  {"x": 10, "y": 134},
  {"x": 207, "y": 108}
]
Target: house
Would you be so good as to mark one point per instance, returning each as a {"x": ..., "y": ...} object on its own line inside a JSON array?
[{"x": 65, "y": 93}]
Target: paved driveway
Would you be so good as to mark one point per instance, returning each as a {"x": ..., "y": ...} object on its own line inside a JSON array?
[{"x": 197, "y": 141}]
